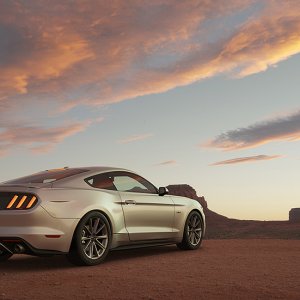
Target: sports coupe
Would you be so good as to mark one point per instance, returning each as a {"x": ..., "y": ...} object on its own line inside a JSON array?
[{"x": 86, "y": 212}]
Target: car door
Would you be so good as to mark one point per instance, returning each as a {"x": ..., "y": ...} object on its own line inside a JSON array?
[{"x": 148, "y": 216}]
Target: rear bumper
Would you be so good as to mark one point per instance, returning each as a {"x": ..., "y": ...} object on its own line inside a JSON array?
[
  {"x": 37, "y": 230},
  {"x": 16, "y": 245}
]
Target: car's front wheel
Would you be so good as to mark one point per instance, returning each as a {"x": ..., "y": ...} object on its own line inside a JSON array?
[
  {"x": 193, "y": 232},
  {"x": 4, "y": 256},
  {"x": 91, "y": 240}
]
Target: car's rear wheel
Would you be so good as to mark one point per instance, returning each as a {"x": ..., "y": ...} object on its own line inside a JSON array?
[
  {"x": 4, "y": 256},
  {"x": 193, "y": 232},
  {"x": 91, "y": 240}
]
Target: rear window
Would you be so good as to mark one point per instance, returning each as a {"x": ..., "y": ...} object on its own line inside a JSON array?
[{"x": 47, "y": 176}]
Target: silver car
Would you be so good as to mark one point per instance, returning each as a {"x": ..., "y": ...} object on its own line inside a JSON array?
[{"x": 86, "y": 212}]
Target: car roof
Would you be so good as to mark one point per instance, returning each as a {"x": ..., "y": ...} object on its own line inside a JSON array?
[
  {"x": 91, "y": 170},
  {"x": 77, "y": 179},
  {"x": 99, "y": 168},
  {"x": 79, "y": 173}
]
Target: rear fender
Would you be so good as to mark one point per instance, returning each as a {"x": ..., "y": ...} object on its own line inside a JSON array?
[{"x": 75, "y": 203}]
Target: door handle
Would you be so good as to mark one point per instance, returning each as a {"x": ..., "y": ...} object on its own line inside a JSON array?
[{"x": 130, "y": 202}]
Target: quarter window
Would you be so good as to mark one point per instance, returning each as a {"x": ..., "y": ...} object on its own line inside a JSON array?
[
  {"x": 102, "y": 181},
  {"x": 122, "y": 182}
]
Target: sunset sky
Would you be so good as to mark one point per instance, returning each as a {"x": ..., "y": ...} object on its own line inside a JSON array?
[{"x": 199, "y": 92}]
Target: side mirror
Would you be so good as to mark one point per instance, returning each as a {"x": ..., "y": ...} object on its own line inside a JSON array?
[{"x": 162, "y": 191}]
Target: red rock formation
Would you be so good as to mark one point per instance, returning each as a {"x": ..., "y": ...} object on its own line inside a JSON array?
[
  {"x": 186, "y": 190},
  {"x": 219, "y": 226},
  {"x": 294, "y": 215}
]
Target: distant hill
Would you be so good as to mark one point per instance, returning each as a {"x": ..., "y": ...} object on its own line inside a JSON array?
[{"x": 219, "y": 226}]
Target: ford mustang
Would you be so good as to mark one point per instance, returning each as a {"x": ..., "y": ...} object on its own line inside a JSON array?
[{"x": 86, "y": 212}]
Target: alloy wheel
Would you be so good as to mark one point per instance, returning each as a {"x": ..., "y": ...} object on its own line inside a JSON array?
[
  {"x": 195, "y": 230},
  {"x": 94, "y": 238}
]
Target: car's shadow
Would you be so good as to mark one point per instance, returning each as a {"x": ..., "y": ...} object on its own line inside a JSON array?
[{"x": 26, "y": 263}]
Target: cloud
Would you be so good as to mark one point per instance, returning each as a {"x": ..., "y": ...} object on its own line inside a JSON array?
[
  {"x": 285, "y": 128},
  {"x": 37, "y": 139},
  {"x": 266, "y": 40},
  {"x": 245, "y": 159},
  {"x": 134, "y": 138},
  {"x": 40, "y": 58},
  {"x": 167, "y": 163},
  {"x": 58, "y": 55}
]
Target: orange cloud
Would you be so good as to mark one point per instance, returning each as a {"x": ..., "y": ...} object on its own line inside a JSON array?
[
  {"x": 245, "y": 159},
  {"x": 109, "y": 47},
  {"x": 285, "y": 128},
  {"x": 134, "y": 138},
  {"x": 54, "y": 52},
  {"x": 264, "y": 41}
]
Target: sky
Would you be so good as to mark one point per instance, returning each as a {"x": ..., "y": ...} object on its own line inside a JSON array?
[{"x": 204, "y": 93}]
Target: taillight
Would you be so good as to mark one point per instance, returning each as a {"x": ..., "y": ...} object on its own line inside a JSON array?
[{"x": 17, "y": 201}]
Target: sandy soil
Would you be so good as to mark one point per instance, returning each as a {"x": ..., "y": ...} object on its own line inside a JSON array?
[{"x": 221, "y": 269}]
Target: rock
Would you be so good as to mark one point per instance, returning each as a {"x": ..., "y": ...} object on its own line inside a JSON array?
[
  {"x": 186, "y": 190},
  {"x": 294, "y": 215}
]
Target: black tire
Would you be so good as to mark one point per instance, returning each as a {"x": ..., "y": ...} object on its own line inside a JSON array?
[
  {"x": 91, "y": 240},
  {"x": 193, "y": 232},
  {"x": 4, "y": 256}
]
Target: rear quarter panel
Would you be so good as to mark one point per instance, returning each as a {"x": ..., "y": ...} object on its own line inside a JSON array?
[{"x": 72, "y": 203}]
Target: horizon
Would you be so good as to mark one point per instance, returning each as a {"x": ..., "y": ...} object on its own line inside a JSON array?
[{"x": 181, "y": 92}]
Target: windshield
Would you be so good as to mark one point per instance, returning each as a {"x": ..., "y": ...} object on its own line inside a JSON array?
[{"x": 46, "y": 176}]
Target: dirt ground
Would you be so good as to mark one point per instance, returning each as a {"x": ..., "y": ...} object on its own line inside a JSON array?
[{"x": 221, "y": 269}]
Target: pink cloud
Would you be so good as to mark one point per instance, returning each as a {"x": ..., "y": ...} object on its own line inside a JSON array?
[
  {"x": 167, "y": 163},
  {"x": 245, "y": 159},
  {"x": 38, "y": 139}
]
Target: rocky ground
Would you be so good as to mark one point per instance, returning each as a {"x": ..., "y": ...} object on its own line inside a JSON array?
[{"x": 221, "y": 269}]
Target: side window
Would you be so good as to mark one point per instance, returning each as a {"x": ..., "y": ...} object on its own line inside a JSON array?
[
  {"x": 102, "y": 181},
  {"x": 128, "y": 182}
]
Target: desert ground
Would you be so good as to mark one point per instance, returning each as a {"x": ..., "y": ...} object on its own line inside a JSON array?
[{"x": 220, "y": 269}]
